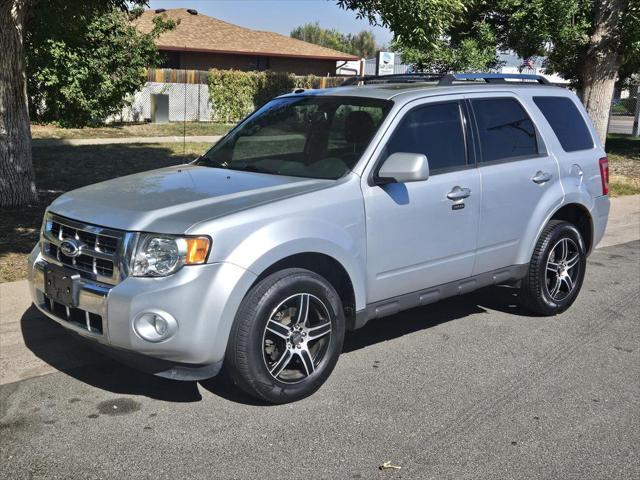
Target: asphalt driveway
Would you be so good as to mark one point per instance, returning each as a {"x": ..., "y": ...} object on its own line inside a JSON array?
[{"x": 472, "y": 387}]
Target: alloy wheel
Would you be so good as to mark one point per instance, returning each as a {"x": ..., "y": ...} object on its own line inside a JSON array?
[
  {"x": 296, "y": 337},
  {"x": 562, "y": 269}
]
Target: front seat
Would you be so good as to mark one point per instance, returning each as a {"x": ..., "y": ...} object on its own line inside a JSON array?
[{"x": 358, "y": 130}]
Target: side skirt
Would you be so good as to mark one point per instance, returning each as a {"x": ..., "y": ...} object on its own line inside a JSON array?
[{"x": 391, "y": 306}]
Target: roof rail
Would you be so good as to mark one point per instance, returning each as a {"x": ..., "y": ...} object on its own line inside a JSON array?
[
  {"x": 394, "y": 78},
  {"x": 491, "y": 77}
]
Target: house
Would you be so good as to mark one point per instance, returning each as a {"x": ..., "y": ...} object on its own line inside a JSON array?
[{"x": 200, "y": 42}]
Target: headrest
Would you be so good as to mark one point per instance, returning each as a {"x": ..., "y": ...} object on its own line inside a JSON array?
[{"x": 358, "y": 127}]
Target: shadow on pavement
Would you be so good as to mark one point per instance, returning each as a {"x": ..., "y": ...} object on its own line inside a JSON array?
[
  {"x": 503, "y": 299},
  {"x": 73, "y": 355}
]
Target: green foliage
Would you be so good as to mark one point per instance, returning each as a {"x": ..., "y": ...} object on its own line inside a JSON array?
[
  {"x": 455, "y": 53},
  {"x": 85, "y": 58},
  {"x": 362, "y": 44},
  {"x": 235, "y": 94},
  {"x": 561, "y": 31},
  {"x": 416, "y": 23},
  {"x": 442, "y": 35}
]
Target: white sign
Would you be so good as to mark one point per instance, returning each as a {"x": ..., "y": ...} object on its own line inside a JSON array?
[{"x": 385, "y": 63}]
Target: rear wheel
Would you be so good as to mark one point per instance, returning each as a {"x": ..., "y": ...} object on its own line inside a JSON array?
[
  {"x": 556, "y": 270},
  {"x": 287, "y": 336}
]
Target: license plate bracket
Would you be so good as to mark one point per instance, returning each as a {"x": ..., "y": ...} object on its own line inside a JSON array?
[{"x": 62, "y": 285}]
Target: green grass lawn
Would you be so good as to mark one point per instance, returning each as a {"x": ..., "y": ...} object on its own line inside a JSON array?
[
  {"x": 624, "y": 164},
  {"x": 63, "y": 168},
  {"x": 131, "y": 130}
]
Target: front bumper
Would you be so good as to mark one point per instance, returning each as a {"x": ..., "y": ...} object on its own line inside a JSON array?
[{"x": 203, "y": 300}]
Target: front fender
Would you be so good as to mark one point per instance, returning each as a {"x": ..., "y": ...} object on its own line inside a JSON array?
[{"x": 281, "y": 239}]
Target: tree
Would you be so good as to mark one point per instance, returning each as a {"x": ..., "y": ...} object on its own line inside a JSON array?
[
  {"x": 458, "y": 52},
  {"x": 362, "y": 44},
  {"x": 587, "y": 41},
  {"x": 53, "y": 29},
  {"x": 17, "y": 186},
  {"x": 79, "y": 76},
  {"x": 314, "y": 33}
]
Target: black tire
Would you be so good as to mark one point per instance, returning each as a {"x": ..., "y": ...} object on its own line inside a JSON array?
[
  {"x": 537, "y": 290},
  {"x": 249, "y": 352}
]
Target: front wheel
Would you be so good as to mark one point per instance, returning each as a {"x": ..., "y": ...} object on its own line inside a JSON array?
[
  {"x": 287, "y": 336},
  {"x": 556, "y": 270}
]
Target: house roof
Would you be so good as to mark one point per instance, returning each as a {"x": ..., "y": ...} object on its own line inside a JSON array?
[{"x": 201, "y": 33}]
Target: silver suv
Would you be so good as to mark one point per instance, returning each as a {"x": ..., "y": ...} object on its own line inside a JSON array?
[{"x": 321, "y": 211}]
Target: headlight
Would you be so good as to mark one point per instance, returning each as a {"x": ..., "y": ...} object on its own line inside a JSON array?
[{"x": 161, "y": 255}]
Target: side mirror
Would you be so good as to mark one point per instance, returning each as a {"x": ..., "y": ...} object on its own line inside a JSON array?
[{"x": 403, "y": 167}]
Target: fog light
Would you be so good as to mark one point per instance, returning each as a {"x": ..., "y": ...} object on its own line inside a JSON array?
[{"x": 155, "y": 326}]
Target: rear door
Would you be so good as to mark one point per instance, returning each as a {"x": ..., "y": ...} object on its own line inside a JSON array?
[{"x": 516, "y": 171}]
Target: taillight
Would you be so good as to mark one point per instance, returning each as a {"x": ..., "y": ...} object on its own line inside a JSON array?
[{"x": 604, "y": 175}]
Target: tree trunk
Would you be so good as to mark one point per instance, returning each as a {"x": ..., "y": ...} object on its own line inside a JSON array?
[
  {"x": 600, "y": 68},
  {"x": 17, "y": 185}
]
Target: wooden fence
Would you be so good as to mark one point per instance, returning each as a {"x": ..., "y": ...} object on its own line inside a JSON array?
[{"x": 168, "y": 75}]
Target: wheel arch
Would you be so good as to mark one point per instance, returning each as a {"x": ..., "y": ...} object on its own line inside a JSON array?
[
  {"x": 578, "y": 215},
  {"x": 575, "y": 212},
  {"x": 327, "y": 267}
]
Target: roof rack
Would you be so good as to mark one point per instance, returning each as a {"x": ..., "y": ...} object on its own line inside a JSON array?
[
  {"x": 443, "y": 80},
  {"x": 394, "y": 78},
  {"x": 492, "y": 78}
]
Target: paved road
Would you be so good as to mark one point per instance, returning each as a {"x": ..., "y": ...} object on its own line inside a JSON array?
[{"x": 472, "y": 387}]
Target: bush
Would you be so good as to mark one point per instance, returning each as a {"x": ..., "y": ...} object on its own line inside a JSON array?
[{"x": 235, "y": 94}]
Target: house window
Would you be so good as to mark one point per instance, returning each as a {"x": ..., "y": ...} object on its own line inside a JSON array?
[
  {"x": 171, "y": 60},
  {"x": 259, "y": 64}
]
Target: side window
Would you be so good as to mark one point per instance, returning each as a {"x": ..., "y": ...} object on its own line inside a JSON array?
[
  {"x": 435, "y": 131},
  {"x": 505, "y": 129},
  {"x": 566, "y": 122}
]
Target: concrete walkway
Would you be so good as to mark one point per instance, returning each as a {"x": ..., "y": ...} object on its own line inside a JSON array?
[
  {"x": 76, "y": 142},
  {"x": 17, "y": 362}
]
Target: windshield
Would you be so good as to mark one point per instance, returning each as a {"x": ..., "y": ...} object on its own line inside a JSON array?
[{"x": 306, "y": 136}]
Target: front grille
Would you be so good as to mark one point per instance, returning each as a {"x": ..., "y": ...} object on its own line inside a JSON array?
[
  {"x": 91, "y": 322},
  {"x": 99, "y": 247}
]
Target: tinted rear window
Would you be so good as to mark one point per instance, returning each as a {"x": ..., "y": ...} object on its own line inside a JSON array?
[
  {"x": 566, "y": 122},
  {"x": 505, "y": 129}
]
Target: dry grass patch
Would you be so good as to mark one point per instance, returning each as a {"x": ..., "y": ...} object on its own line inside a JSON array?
[
  {"x": 125, "y": 130},
  {"x": 64, "y": 168}
]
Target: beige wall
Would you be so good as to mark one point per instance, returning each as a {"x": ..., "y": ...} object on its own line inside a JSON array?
[{"x": 298, "y": 66}]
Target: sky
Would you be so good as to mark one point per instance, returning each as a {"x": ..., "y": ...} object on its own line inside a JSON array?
[{"x": 280, "y": 16}]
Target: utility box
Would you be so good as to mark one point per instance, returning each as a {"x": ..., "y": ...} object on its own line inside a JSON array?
[{"x": 159, "y": 108}]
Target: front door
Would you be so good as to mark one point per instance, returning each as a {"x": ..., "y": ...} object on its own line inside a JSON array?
[{"x": 421, "y": 234}]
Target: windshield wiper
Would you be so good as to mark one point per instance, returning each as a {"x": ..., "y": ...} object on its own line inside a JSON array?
[{"x": 252, "y": 168}]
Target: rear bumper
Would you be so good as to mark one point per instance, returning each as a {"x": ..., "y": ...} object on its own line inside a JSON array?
[
  {"x": 600, "y": 216},
  {"x": 202, "y": 299}
]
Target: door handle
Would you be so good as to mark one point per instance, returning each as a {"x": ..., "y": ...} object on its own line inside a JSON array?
[
  {"x": 458, "y": 193},
  {"x": 541, "y": 177}
]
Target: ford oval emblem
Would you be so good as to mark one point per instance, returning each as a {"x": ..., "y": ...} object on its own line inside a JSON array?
[{"x": 70, "y": 247}]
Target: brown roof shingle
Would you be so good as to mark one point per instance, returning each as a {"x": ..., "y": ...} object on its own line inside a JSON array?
[{"x": 207, "y": 34}]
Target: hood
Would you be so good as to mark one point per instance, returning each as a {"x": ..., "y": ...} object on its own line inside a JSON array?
[{"x": 170, "y": 200}]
